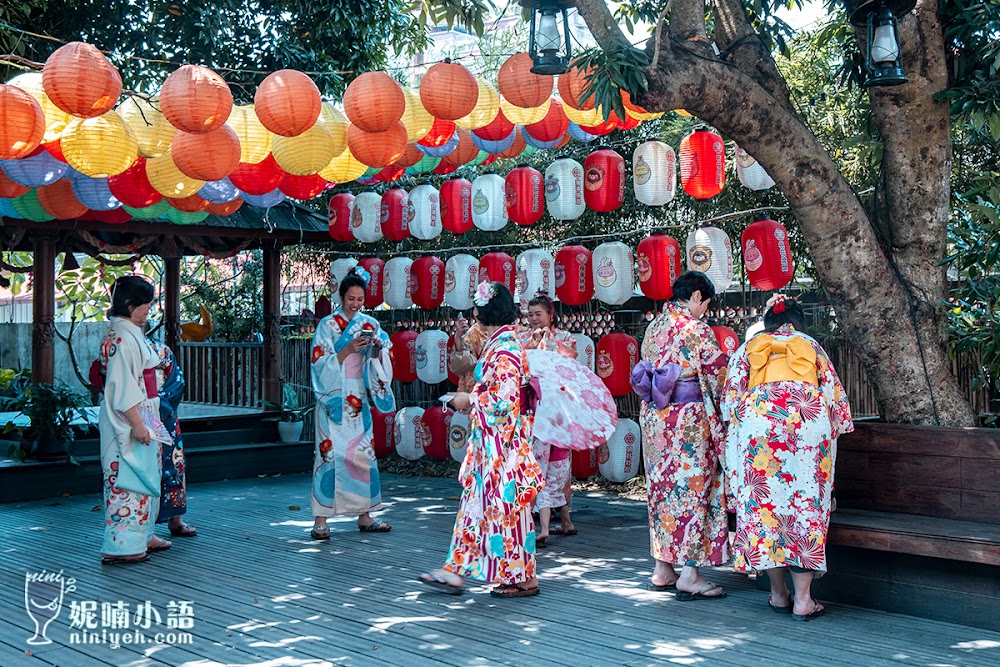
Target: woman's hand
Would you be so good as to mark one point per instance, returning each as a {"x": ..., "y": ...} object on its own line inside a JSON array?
[
  {"x": 537, "y": 335},
  {"x": 461, "y": 402},
  {"x": 141, "y": 433},
  {"x": 356, "y": 345},
  {"x": 461, "y": 327}
]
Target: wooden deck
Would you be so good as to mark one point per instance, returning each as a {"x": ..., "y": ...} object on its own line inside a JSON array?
[{"x": 263, "y": 595}]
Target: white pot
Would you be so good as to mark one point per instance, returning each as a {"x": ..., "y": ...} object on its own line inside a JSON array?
[{"x": 290, "y": 431}]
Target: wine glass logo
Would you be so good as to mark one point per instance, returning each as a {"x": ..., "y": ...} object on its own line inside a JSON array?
[{"x": 43, "y": 596}]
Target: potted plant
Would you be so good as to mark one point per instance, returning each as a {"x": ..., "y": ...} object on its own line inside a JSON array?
[
  {"x": 54, "y": 413},
  {"x": 290, "y": 414}
]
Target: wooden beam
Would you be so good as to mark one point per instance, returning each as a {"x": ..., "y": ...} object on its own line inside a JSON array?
[
  {"x": 271, "y": 357},
  {"x": 43, "y": 329},
  {"x": 172, "y": 302}
]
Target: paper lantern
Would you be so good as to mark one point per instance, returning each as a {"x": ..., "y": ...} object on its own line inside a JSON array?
[
  {"x": 366, "y": 217},
  {"x": 397, "y": 285},
  {"x": 578, "y": 133},
  {"x": 619, "y": 457},
  {"x": 374, "y": 291},
  {"x": 496, "y": 146},
  {"x": 120, "y": 216},
  {"x": 461, "y": 277},
  {"x": 524, "y": 195},
  {"x": 553, "y": 126},
  {"x": 56, "y": 119},
  {"x": 403, "y": 355},
  {"x": 221, "y": 191},
  {"x": 287, "y": 102},
  {"x": 59, "y": 201},
  {"x": 184, "y": 217},
  {"x": 564, "y": 189},
  {"x": 206, "y": 156},
  {"x": 394, "y": 215},
  {"x": 266, "y": 200},
  {"x": 585, "y": 350},
  {"x": 617, "y": 354},
  {"x": 411, "y": 156},
  {"x": 531, "y": 142},
  {"x": 35, "y": 171},
  {"x": 189, "y": 204},
  {"x": 767, "y": 255},
  {"x": 307, "y": 153},
  {"x": 426, "y": 165},
  {"x": 458, "y": 436},
  {"x": 257, "y": 178},
  {"x": 437, "y": 425},
  {"x": 338, "y": 271},
  {"x": 600, "y": 128},
  {"x": 7, "y": 209},
  {"x": 377, "y": 149},
  {"x": 573, "y": 86},
  {"x": 658, "y": 263},
  {"x": 10, "y": 189},
  {"x": 604, "y": 180},
  {"x": 498, "y": 129},
  {"x": 465, "y": 152},
  {"x": 432, "y": 356},
  {"x": 374, "y": 102},
  {"x": 444, "y": 168},
  {"x": 751, "y": 174},
  {"x": 336, "y": 124},
  {"x": 255, "y": 139},
  {"x": 489, "y": 210},
  {"x": 703, "y": 164},
  {"x": 225, "y": 208},
  {"x": 456, "y": 205},
  {"x": 728, "y": 339},
  {"x": 411, "y": 434},
  {"x": 344, "y": 168},
  {"x": 521, "y": 115},
  {"x": 22, "y": 123},
  {"x": 584, "y": 118},
  {"x": 303, "y": 188},
  {"x": 574, "y": 275},
  {"x": 486, "y": 109},
  {"x": 195, "y": 99},
  {"x": 157, "y": 210},
  {"x": 428, "y": 280},
  {"x": 614, "y": 279},
  {"x": 710, "y": 251},
  {"x": 99, "y": 147},
  {"x": 339, "y": 216},
  {"x": 28, "y": 207},
  {"x": 654, "y": 173},
  {"x": 416, "y": 119},
  {"x": 169, "y": 181},
  {"x": 498, "y": 267},
  {"x": 448, "y": 90},
  {"x": 79, "y": 80},
  {"x": 94, "y": 193},
  {"x": 519, "y": 85},
  {"x": 584, "y": 465},
  {"x": 383, "y": 433},
  {"x": 535, "y": 271},
  {"x": 424, "y": 212}
]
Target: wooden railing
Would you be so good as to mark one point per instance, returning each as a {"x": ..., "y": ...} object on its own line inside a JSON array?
[{"x": 222, "y": 373}]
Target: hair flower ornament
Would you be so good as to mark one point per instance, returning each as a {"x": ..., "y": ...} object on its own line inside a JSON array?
[
  {"x": 777, "y": 303},
  {"x": 484, "y": 293},
  {"x": 360, "y": 272}
]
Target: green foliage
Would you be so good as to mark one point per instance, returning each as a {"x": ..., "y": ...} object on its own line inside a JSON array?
[
  {"x": 469, "y": 14},
  {"x": 231, "y": 290},
  {"x": 290, "y": 409},
  {"x": 51, "y": 410},
  {"x": 972, "y": 33},
  {"x": 618, "y": 68}
]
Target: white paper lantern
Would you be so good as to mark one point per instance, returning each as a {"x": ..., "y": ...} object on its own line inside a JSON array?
[
  {"x": 489, "y": 203},
  {"x": 619, "y": 458},
  {"x": 432, "y": 356},
  {"x": 654, "y": 173},
  {"x": 366, "y": 217},
  {"x": 585, "y": 350},
  {"x": 461, "y": 277},
  {"x": 710, "y": 251},
  {"x": 424, "y": 211},
  {"x": 564, "y": 189},
  {"x": 536, "y": 270},
  {"x": 411, "y": 434},
  {"x": 458, "y": 436},
  {"x": 338, "y": 271},
  {"x": 750, "y": 173},
  {"x": 397, "y": 289},
  {"x": 614, "y": 273}
]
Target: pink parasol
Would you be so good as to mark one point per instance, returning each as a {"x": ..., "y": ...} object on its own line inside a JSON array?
[{"x": 576, "y": 410}]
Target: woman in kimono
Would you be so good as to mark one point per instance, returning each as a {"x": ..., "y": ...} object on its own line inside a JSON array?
[
  {"x": 173, "y": 482},
  {"x": 786, "y": 409},
  {"x": 679, "y": 381},
  {"x": 131, "y": 434},
  {"x": 494, "y": 537},
  {"x": 351, "y": 371},
  {"x": 553, "y": 461}
]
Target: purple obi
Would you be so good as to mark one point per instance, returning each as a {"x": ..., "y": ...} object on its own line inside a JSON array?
[
  {"x": 531, "y": 393},
  {"x": 663, "y": 386}
]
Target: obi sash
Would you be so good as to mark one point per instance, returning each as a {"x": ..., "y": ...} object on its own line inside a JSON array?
[
  {"x": 664, "y": 385},
  {"x": 776, "y": 360},
  {"x": 531, "y": 393}
]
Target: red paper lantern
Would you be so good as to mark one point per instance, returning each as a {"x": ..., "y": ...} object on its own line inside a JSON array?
[
  {"x": 22, "y": 123},
  {"x": 257, "y": 179},
  {"x": 617, "y": 354},
  {"x": 497, "y": 130},
  {"x": 9, "y": 189},
  {"x": 190, "y": 204},
  {"x": 498, "y": 267},
  {"x": 323, "y": 307},
  {"x": 520, "y": 86},
  {"x": 552, "y": 127},
  {"x": 116, "y": 216},
  {"x": 440, "y": 133},
  {"x": 374, "y": 102},
  {"x": 604, "y": 180},
  {"x": 59, "y": 201},
  {"x": 630, "y": 122},
  {"x": 437, "y": 420},
  {"x": 448, "y": 90},
  {"x": 525, "y": 195},
  {"x": 574, "y": 275},
  {"x": 728, "y": 339},
  {"x": 456, "y": 205},
  {"x": 377, "y": 149},
  {"x": 225, "y": 208},
  {"x": 302, "y": 187},
  {"x": 395, "y": 221},
  {"x": 391, "y": 173},
  {"x": 373, "y": 292},
  {"x": 703, "y": 164},
  {"x": 601, "y": 129},
  {"x": 287, "y": 102},
  {"x": 54, "y": 148},
  {"x": 444, "y": 168},
  {"x": 132, "y": 187},
  {"x": 658, "y": 262},
  {"x": 767, "y": 255},
  {"x": 585, "y": 465},
  {"x": 427, "y": 277},
  {"x": 339, "y": 216},
  {"x": 383, "y": 433},
  {"x": 403, "y": 355}
]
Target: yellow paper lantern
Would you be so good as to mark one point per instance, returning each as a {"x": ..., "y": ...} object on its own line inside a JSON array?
[
  {"x": 682, "y": 112},
  {"x": 150, "y": 127},
  {"x": 343, "y": 168},
  {"x": 99, "y": 147},
  {"x": 521, "y": 115},
  {"x": 588, "y": 118},
  {"x": 486, "y": 109},
  {"x": 56, "y": 119},
  {"x": 304, "y": 154},
  {"x": 255, "y": 139},
  {"x": 416, "y": 119},
  {"x": 336, "y": 124},
  {"x": 168, "y": 180}
]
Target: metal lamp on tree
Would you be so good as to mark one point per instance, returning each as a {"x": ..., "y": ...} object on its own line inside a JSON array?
[
  {"x": 883, "y": 60},
  {"x": 550, "y": 51}
]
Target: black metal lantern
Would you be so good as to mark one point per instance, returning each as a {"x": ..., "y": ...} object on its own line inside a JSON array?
[
  {"x": 884, "y": 57},
  {"x": 549, "y": 50}
]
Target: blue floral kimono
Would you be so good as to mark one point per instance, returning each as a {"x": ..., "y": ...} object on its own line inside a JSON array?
[{"x": 173, "y": 484}]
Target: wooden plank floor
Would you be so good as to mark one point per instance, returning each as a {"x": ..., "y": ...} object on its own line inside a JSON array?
[{"x": 263, "y": 595}]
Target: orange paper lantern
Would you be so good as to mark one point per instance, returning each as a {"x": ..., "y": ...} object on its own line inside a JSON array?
[
  {"x": 195, "y": 99},
  {"x": 374, "y": 102},
  {"x": 573, "y": 86},
  {"x": 227, "y": 208},
  {"x": 79, "y": 80},
  {"x": 190, "y": 204},
  {"x": 59, "y": 201},
  {"x": 287, "y": 102},
  {"x": 377, "y": 149},
  {"x": 519, "y": 86},
  {"x": 208, "y": 156},
  {"x": 22, "y": 123},
  {"x": 9, "y": 189},
  {"x": 465, "y": 152},
  {"x": 410, "y": 156},
  {"x": 449, "y": 91},
  {"x": 516, "y": 148}
]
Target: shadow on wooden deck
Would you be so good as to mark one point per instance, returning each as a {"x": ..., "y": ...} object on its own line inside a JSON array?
[{"x": 263, "y": 595}]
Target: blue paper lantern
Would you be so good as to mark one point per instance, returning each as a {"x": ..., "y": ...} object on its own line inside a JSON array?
[
  {"x": 266, "y": 200},
  {"x": 577, "y": 133},
  {"x": 35, "y": 171},
  {"x": 7, "y": 210},
  {"x": 219, "y": 192},
  {"x": 494, "y": 146},
  {"x": 94, "y": 193},
  {"x": 535, "y": 143},
  {"x": 440, "y": 151}
]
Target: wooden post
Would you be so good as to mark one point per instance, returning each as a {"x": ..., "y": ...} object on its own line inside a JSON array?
[
  {"x": 271, "y": 357},
  {"x": 43, "y": 302},
  {"x": 172, "y": 303}
]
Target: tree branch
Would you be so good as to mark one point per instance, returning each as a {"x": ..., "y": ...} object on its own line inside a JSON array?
[
  {"x": 597, "y": 15},
  {"x": 687, "y": 22}
]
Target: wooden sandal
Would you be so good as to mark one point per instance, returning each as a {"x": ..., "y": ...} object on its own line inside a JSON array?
[{"x": 514, "y": 591}]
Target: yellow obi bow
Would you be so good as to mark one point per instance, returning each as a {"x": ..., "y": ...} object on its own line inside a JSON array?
[{"x": 774, "y": 360}]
